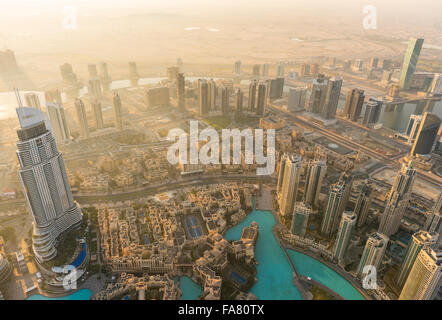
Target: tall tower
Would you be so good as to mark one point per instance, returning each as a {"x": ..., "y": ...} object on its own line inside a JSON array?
[
  {"x": 353, "y": 104},
  {"x": 133, "y": 73},
  {"x": 104, "y": 76},
  {"x": 348, "y": 222},
  {"x": 118, "y": 112},
  {"x": 203, "y": 97},
  {"x": 239, "y": 97},
  {"x": 98, "y": 114},
  {"x": 32, "y": 100},
  {"x": 397, "y": 200},
  {"x": 58, "y": 122},
  {"x": 427, "y": 134},
  {"x": 372, "y": 112},
  {"x": 315, "y": 174},
  {"x": 393, "y": 213},
  {"x": 82, "y": 119},
  {"x": 45, "y": 183},
  {"x": 337, "y": 200},
  {"x": 373, "y": 253},
  {"x": 238, "y": 68},
  {"x": 433, "y": 222},
  {"x": 94, "y": 88},
  {"x": 265, "y": 70},
  {"x": 420, "y": 240},
  {"x": 256, "y": 70},
  {"x": 424, "y": 279},
  {"x": 289, "y": 190},
  {"x": 318, "y": 93},
  {"x": 281, "y": 173},
  {"x": 225, "y": 101},
  {"x": 301, "y": 213},
  {"x": 410, "y": 61},
  {"x": 363, "y": 203},
  {"x": 212, "y": 94},
  {"x": 180, "y": 92},
  {"x": 252, "y": 95},
  {"x": 332, "y": 98},
  {"x": 261, "y": 99}
]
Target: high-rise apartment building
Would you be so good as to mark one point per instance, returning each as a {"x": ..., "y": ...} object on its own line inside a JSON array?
[
  {"x": 261, "y": 99},
  {"x": 45, "y": 183},
  {"x": 98, "y": 114},
  {"x": 81, "y": 118},
  {"x": 353, "y": 104},
  {"x": 252, "y": 95},
  {"x": 427, "y": 134},
  {"x": 32, "y": 100},
  {"x": 289, "y": 189},
  {"x": 59, "y": 124},
  {"x": 203, "y": 97},
  {"x": 424, "y": 280},
  {"x": 318, "y": 93},
  {"x": 332, "y": 98},
  {"x": 373, "y": 253},
  {"x": 301, "y": 214},
  {"x": 181, "y": 92},
  {"x": 410, "y": 61},
  {"x": 296, "y": 99},
  {"x": 420, "y": 240},
  {"x": 212, "y": 94},
  {"x": 239, "y": 97},
  {"x": 118, "y": 111},
  {"x": 225, "y": 101},
  {"x": 238, "y": 67},
  {"x": 363, "y": 203},
  {"x": 346, "y": 226},
  {"x": 372, "y": 112},
  {"x": 313, "y": 182}
]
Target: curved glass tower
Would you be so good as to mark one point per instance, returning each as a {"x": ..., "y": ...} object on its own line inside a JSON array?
[{"x": 45, "y": 183}]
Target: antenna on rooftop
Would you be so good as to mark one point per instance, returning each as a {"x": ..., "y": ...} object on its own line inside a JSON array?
[{"x": 17, "y": 95}]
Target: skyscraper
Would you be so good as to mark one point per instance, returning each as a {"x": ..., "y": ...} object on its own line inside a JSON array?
[
  {"x": 289, "y": 189},
  {"x": 413, "y": 127},
  {"x": 238, "y": 67},
  {"x": 363, "y": 203},
  {"x": 239, "y": 97},
  {"x": 393, "y": 213},
  {"x": 348, "y": 222},
  {"x": 172, "y": 73},
  {"x": 104, "y": 76},
  {"x": 212, "y": 94},
  {"x": 225, "y": 101},
  {"x": 313, "y": 182},
  {"x": 373, "y": 253},
  {"x": 296, "y": 99},
  {"x": 45, "y": 183},
  {"x": 332, "y": 98},
  {"x": 280, "y": 70},
  {"x": 98, "y": 114},
  {"x": 337, "y": 200},
  {"x": 265, "y": 70},
  {"x": 420, "y": 240},
  {"x": 203, "y": 97},
  {"x": 82, "y": 119},
  {"x": 318, "y": 93},
  {"x": 353, "y": 104},
  {"x": 53, "y": 96},
  {"x": 397, "y": 200},
  {"x": 410, "y": 61},
  {"x": 133, "y": 73},
  {"x": 67, "y": 73},
  {"x": 32, "y": 100},
  {"x": 424, "y": 279},
  {"x": 261, "y": 99},
  {"x": 94, "y": 87},
  {"x": 252, "y": 95},
  {"x": 118, "y": 112},
  {"x": 372, "y": 112},
  {"x": 427, "y": 134},
  {"x": 92, "y": 69},
  {"x": 256, "y": 70},
  {"x": 301, "y": 213},
  {"x": 433, "y": 222},
  {"x": 275, "y": 89},
  {"x": 281, "y": 173},
  {"x": 58, "y": 122},
  {"x": 181, "y": 94}
]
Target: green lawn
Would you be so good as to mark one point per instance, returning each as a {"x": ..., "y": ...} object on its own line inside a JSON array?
[{"x": 219, "y": 122}]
